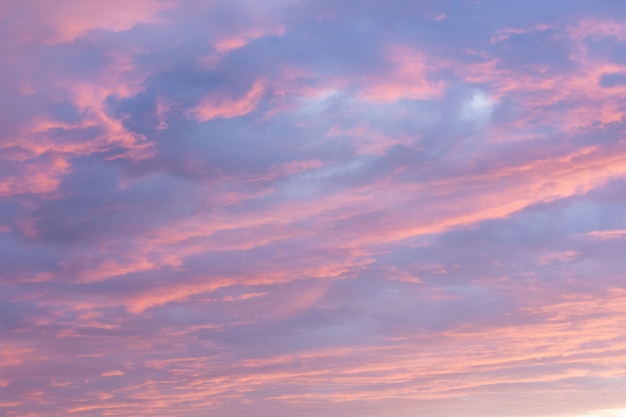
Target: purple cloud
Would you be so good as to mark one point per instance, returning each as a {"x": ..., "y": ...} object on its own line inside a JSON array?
[{"x": 312, "y": 208}]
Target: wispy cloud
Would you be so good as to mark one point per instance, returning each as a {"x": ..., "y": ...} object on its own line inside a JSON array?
[{"x": 218, "y": 208}]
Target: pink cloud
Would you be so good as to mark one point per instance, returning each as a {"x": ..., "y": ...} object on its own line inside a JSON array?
[
  {"x": 67, "y": 20},
  {"x": 220, "y": 105},
  {"x": 411, "y": 77},
  {"x": 424, "y": 215}
]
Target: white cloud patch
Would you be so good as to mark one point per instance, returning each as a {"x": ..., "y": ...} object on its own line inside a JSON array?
[{"x": 478, "y": 108}]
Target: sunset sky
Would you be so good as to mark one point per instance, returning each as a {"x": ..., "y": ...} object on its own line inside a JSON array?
[{"x": 313, "y": 208}]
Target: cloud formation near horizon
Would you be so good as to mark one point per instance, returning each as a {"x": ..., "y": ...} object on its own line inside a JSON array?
[{"x": 337, "y": 208}]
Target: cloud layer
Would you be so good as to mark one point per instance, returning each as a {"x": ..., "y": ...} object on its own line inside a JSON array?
[{"x": 234, "y": 208}]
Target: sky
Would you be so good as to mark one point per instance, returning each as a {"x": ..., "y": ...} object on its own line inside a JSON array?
[{"x": 337, "y": 208}]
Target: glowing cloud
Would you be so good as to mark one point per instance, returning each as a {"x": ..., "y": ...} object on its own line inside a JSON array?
[{"x": 312, "y": 208}]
